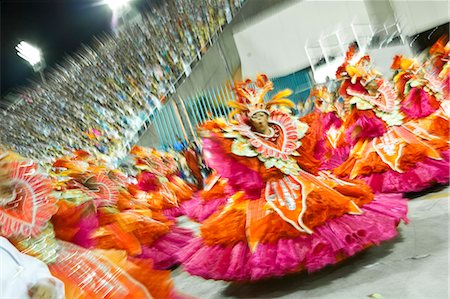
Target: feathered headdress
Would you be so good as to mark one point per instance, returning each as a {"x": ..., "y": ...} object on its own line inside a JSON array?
[
  {"x": 402, "y": 63},
  {"x": 440, "y": 47},
  {"x": 341, "y": 70},
  {"x": 440, "y": 53},
  {"x": 324, "y": 100},
  {"x": 320, "y": 93},
  {"x": 250, "y": 100}
]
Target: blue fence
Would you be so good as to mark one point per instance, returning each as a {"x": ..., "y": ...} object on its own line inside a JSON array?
[
  {"x": 299, "y": 82},
  {"x": 179, "y": 117}
]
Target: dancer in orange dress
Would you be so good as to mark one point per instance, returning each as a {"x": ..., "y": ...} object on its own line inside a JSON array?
[
  {"x": 158, "y": 178},
  {"x": 211, "y": 198},
  {"x": 99, "y": 209},
  {"x": 26, "y": 206},
  {"x": 389, "y": 150},
  {"x": 325, "y": 123},
  {"x": 285, "y": 216}
]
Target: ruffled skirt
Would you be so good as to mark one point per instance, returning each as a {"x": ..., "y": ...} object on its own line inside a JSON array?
[{"x": 229, "y": 257}]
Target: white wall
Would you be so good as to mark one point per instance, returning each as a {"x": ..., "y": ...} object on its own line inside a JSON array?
[
  {"x": 276, "y": 44},
  {"x": 416, "y": 16},
  {"x": 382, "y": 58}
]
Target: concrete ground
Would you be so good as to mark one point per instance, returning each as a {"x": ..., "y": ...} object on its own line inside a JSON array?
[{"x": 415, "y": 265}]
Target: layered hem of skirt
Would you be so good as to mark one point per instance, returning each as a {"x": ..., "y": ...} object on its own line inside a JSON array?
[
  {"x": 424, "y": 175},
  {"x": 199, "y": 210},
  {"x": 164, "y": 251},
  {"x": 330, "y": 243}
]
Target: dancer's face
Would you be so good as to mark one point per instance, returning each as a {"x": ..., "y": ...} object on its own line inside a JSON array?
[{"x": 260, "y": 122}]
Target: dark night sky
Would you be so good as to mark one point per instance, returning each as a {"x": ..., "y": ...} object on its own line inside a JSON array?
[{"x": 56, "y": 26}]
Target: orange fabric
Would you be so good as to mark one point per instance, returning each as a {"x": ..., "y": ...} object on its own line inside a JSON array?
[
  {"x": 213, "y": 232},
  {"x": 309, "y": 142},
  {"x": 360, "y": 193},
  {"x": 157, "y": 282},
  {"x": 218, "y": 190},
  {"x": 251, "y": 162},
  {"x": 363, "y": 165},
  {"x": 271, "y": 228},
  {"x": 113, "y": 236},
  {"x": 439, "y": 126},
  {"x": 181, "y": 189},
  {"x": 132, "y": 225},
  {"x": 435, "y": 130},
  {"x": 307, "y": 161},
  {"x": 325, "y": 202},
  {"x": 350, "y": 120},
  {"x": 372, "y": 164},
  {"x": 265, "y": 219},
  {"x": 253, "y": 222},
  {"x": 126, "y": 201},
  {"x": 66, "y": 220},
  {"x": 256, "y": 210},
  {"x": 104, "y": 276}
]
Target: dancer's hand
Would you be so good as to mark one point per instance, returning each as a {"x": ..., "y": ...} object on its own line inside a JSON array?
[{"x": 43, "y": 290}]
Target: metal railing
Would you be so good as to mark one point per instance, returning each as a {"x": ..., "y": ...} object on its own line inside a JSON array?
[{"x": 179, "y": 117}]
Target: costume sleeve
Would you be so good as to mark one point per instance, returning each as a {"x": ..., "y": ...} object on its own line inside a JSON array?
[
  {"x": 363, "y": 124},
  {"x": 241, "y": 172},
  {"x": 312, "y": 144}
]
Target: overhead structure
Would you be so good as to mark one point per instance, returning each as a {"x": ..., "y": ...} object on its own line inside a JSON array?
[{"x": 328, "y": 52}]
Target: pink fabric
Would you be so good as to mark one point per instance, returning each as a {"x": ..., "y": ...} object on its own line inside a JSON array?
[
  {"x": 339, "y": 156},
  {"x": 147, "y": 182},
  {"x": 417, "y": 103},
  {"x": 87, "y": 225},
  {"x": 164, "y": 251},
  {"x": 239, "y": 176},
  {"x": 357, "y": 87},
  {"x": 173, "y": 213},
  {"x": 342, "y": 236},
  {"x": 371, "y": 127},
  {"x": 320, "y": 150},
  {"x": 199, "y": 210},
  {"x": 424, "y": 175},
  {"x": 330, "y": 120}
]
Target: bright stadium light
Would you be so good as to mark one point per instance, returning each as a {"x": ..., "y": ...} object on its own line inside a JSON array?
[
  {"x": 33, "y": 56},
  {"x": 117, "y": 4},
  {"x": 29, "y": 53}
]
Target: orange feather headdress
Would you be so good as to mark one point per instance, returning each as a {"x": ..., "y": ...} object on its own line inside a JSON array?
[
  {"x": 341, "y": 70},
  {"x": 250, "y": 100},
  {"x": 401, "y": 63},
  {"x": 440, "y": 47},
  {"x": 440, "y": 53}
]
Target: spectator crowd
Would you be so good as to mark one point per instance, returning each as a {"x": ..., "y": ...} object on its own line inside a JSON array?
[{"x": 99, "y": 98}]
